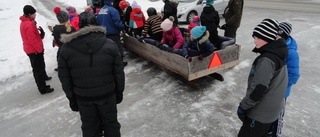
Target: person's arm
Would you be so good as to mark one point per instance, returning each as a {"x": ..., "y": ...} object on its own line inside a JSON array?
[
  {"x": 209, "y": 49},
  {"x": 115, "y": 16},
  {"x": 180, "y": 39},
  {"x": 119, "y": 79},
  {"x": 293, "y": 67},
  {"x": 34, "y": 37},
  {"x": 262, "y": 74}
]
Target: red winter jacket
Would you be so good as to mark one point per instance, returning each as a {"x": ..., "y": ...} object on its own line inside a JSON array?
[
  {"x": 173, "y": 38},
  {"x": 137, "y": 19},
  {"x": 32, "y": 42},
  {"x": 74, "y": 20}
]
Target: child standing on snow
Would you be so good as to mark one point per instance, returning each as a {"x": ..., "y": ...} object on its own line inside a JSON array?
[
  {"x": 74, "y": 17},
  {"x": 137, "y": 19},
  {"x": 126, "y": 9},
  {"x": 292, "y": 62},
  {"x": 63, "y": 28}
]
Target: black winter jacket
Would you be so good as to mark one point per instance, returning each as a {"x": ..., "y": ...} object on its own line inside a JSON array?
[
  {"x": 90, "y": 65},
  {"x": 210, "y": 18}
]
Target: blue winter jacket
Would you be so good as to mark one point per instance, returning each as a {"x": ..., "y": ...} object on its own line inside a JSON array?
[
  {"x": 292, "y": 64},
  {"x": 109, "y": 17}
]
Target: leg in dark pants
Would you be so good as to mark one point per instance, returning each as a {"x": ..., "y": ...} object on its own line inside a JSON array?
[
  {"x": 97, "y": 115},
  {"x": 253, "y": 128},
  {"x": 230, "y": 32},
  {"x": 38, "y": 69}
]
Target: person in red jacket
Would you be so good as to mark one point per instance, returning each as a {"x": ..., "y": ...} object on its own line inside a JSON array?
[
  {"x": 33, "y": 47},
  {"x": 74, "y": 17}
]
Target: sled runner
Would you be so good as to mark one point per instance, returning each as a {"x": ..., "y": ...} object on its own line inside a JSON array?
[{"x": 217, "y": 61}]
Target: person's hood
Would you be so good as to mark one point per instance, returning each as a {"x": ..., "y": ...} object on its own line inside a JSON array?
[
  {"x": 291, "y": 43},
  {"x": 24, "y": 18},
  {"x": 278, "y": 47},
  {"x": 137, "y": 11},
  {"x": 204, "y": 38},
  {"x": 91, "y": 43},
  {"x": 208, "y": 9}
]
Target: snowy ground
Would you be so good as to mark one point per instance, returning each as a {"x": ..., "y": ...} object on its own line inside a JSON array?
[{"x": 156, "y": 104}]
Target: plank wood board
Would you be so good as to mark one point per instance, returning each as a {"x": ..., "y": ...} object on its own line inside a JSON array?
[{"x": 178, "y": 64}]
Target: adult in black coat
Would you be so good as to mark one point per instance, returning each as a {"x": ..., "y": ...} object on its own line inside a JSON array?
[
  {"x": 170, "y": 9},
  {"x": 210, "y": 18},
  {"x": 91, "y": 73}
]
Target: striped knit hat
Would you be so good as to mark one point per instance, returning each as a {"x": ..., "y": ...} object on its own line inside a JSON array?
[
  {"x": 285, "y": 29},
  {"x": 267, "y": 30}
]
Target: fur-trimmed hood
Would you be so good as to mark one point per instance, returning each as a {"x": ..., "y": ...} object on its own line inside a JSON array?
[
  {"x": 204, "y": 38},
  {"x": 87, "y": 40},
  {"x": 83, "y": 31}
]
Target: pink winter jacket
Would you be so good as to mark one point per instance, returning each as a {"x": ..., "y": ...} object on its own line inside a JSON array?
[
  {"x": 32, "y": 42},
  {"x": 173, "y": 38}
]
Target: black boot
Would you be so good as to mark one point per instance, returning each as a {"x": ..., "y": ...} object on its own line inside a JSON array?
[{"x": 47, "y": 89}]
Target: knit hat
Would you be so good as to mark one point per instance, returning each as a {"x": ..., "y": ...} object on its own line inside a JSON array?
[
  {"x": 88, "y": 9},
  {"x": 86, "y": 19},
  {"x": 28, "y": 10},
  {"x": 166, "y": 25},
  {"x": 198, "y": 31},
  {"x": 210, "y": 2},
  {"x": 62, "y": 16},
  {"x": 267, "y": 30},
  {"x": 195, "y": 19},
  {"x": 123, "y": 4},
  {"x": 285, "y": 29},
  {"x": 135, "y": 5},
  {"x": 71, "y": 9}
]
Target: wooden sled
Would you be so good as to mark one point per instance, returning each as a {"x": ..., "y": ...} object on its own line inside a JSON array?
[{"x": 217, "y": 61}]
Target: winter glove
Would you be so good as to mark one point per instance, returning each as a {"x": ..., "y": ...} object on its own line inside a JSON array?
[
  {"x": 224, "y": 27},
  {"x": 241, "y": 113},
  {"x": 188, "y": 58},
  {"x": 42, "y": 33},
  {"x": 119, "y": 98},
  {"x": 200, "y": 57},
  {"x": 73, "y": 104}
]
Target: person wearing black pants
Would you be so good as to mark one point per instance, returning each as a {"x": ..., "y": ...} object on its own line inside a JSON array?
[{"x": 33, "y": 47}]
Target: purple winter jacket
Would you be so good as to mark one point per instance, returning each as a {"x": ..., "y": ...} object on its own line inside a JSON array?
[{"x": 173, "y": 38}]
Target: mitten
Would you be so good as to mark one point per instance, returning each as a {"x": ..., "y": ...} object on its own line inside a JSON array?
[
  {"x": 241, "y": 113},
  {"x": 73, "y": 104},
  {"x": 200, "y": 57},
  {"x": 42, "y": 33},
  {"x": 119, "y": 98},
  {"x": 224, "y": 26},
  {"x": 188, "y": 58}
]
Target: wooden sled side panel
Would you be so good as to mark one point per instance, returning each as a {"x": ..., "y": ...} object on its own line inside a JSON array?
[{"x": 170, "y": 61}]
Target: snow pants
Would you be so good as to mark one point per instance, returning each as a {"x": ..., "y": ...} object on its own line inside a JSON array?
[
  {"x": 253, "y": 128},
  {"x": 99, "y": 115},
  {"x": 38, "y": 69}
]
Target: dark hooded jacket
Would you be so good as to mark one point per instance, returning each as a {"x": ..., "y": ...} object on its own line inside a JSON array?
[
  {"x": 201, "y": 46},
  {"x": 170, "y": 9},
  {"x": 267, "y": 83},
  {"x": 210, "y": 18},
  {"x": 90, "y": 65}
]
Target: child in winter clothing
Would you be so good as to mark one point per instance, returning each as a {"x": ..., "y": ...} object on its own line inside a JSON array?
[
  {"x": 152, "y": 26},
  {"x": 172, "y": 38},
  {"x": 292, "y": 62},
  {"x": 195, "y": 22},
  {"x": 33, "y": 47},
  {"x": 198, "y": 45},
  {"x": 211, "y": 19},
  {"x": 126, "y": 9},
  {"x": 137, "y": 19},
  {"x": 74, "y": 18},
  {"x": 63, "y": 28},
  {"x": 267, "y": 82}
]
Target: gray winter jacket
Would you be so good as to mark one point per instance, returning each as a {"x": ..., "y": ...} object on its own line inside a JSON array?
[{"x": 267, "y": 83}]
